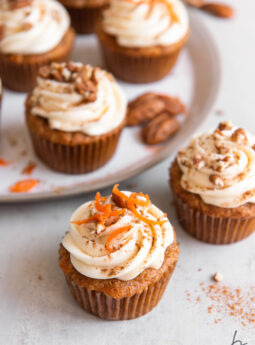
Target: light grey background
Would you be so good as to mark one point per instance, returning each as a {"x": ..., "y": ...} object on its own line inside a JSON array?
[{"x": 35, "y": 304}]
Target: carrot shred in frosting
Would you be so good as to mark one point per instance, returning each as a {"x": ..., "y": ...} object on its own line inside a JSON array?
[
  {"x": 113, "y": 235},
  {"x": 144, "y": 219},
  {"x": 23, "y": 186},
  {"x": 29, "y": 169},
  {"x": 3, "y": 163},
  {"x": 96, "y": 217}
]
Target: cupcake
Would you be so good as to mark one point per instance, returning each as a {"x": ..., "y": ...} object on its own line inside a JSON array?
[
  {"x": 119, "y": 255},
  {"x": 141, "y": 39},
  {"x": 75, "y": 116},
  {"x": 85, "y": 14},
  {"x": 213, "y": 183},
  {"x": 32, "y": 33}
]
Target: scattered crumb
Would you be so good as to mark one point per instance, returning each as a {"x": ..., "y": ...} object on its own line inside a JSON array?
[
  {"x": 23, "y": 153},
  {"x": 218, "y": 277},
  {"x": 29, "y": 168},
  {"x": 39, "y": 277},
  {"x": 200, "y": 269}
]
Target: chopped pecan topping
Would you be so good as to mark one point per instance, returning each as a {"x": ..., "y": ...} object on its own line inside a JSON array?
[
  {"x": 159, "y": 129},
  {"x": 82, "y": 77},
  {"x": 149, "y": 105},
  {"x": 27, "y": 26},
  {"x": 216, "y": 180},
  {"x": 198, "y": 162},
  {"x": 225, "y": 126},
  {"x": 16, "y": 4},
  {"x": 239, "y": 136}
]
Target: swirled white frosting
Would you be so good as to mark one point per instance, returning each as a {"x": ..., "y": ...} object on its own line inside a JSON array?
[
  {"x": 146, "y": 23},
  {"x": 33, "y": 29},
  {"x": 220, "y": 167},
  {"x": 63, "y": 106},
  {"x": 141, "y": 247}
]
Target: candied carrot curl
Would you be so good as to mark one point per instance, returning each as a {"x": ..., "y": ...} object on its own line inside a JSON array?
[
  {"x": 144, "y": 219},
  {"x": 132, "y": 197},
  {"x": 113, "y": 235},
  {"x": 23, "y": 186},
  {"x": 133, "y": 201}
]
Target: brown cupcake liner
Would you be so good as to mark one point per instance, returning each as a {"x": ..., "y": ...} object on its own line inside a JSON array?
[
  {"x": 215, "y": 230},
  {"x": 19, "y": 72},
  {"x": 126, "y": 308},
  {"x": 85, "y": 19},
  {"x": 76, "y": 159},
  {"x": 138, "y": 69}
]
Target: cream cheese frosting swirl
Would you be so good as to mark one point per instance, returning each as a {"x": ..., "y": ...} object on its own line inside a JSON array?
[
  {"x": 220, "y": 166},
  {"x": 122, "y": 247},
  {"x": 78, "y": 98},
  {"x": 146, "y": 23},
  {"x": 33, "y": 29}
]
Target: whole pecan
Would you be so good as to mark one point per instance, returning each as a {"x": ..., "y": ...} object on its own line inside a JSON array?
[
  {"x": 149, "y": 105},
  {"x": 160, "y": 129},
  {"x": 219, "y": 10}
]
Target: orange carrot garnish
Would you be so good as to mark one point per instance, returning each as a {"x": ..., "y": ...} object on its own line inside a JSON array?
[
  {"x": 113, "y": 235},
  {"x": 29, "y": 169},
  {"x": 98, "y": 204},
  {"x": 96, "y": 218},
  {"x": 131, "y": 197},
  {"x": 23, "y": 186},
  {"x": 144, "y": 219},
  {"x": 3, "y": 162}
]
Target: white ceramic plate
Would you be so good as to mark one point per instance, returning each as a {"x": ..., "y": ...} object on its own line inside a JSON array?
[{"x": 195, "y": 80}]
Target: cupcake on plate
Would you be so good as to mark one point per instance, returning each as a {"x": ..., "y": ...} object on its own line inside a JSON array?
[
  {"x": 213, "y": 183},
  {"x": 32, "y": 33},
  {"x": 75, "y": 116},
  {"x": 119, "y": 255},
  {"x": 141, "y": 39},
  {"x": 85, "y": 14}
]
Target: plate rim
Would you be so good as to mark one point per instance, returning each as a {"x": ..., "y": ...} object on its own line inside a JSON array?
[{"x": 195, "y": 20}]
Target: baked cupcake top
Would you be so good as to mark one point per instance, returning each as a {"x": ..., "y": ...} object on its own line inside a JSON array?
[
  {"x": 31, "y": 26},
  {"x": 118, "y": 236},
  {"x": 220, "y": 166},
  {"x": 146, "y": 23},
  {"x": 78, "y": 98}
]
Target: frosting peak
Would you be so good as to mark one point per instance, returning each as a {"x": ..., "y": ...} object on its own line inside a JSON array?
[
  {"x": 76, "y": 97},
  {"x": 118, "y": 236},
  {"x": 32, "y": 26},
  {"x": 146, "y": 23},
  {"x": 220, "y": 166}
]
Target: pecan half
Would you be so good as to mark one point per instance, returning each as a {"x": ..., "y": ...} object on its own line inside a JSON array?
[
  {"x": 149, "y": 105},
  {"x": 219, "y": 10},
  {"x": 216, "y": 180},
  {"x": 160, "y": 129}
]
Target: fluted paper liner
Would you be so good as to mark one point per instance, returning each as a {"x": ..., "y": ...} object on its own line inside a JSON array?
[
  {"x": 138, "y": 69},
  {"x": 126, "y": 308},
  {"x": 80, "y": 158},
  {"x": 85, "y": 19},
  {"x": 19, "y": 72},
  {"x": 215, "y": 230}
]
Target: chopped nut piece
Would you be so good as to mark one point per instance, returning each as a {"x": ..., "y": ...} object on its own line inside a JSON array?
[
  {"x": 198, "y": 162},
  {"x": 216, "y": 180},
  {"x": 225, "y": 126},
  {"x": 218, "y": 277},
  {"x": 239, "y": 136}
]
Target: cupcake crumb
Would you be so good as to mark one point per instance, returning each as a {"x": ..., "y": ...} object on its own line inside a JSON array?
[{"x": 218, "y": 277}]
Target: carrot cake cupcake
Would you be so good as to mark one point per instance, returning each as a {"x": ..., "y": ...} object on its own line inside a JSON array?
[
  {"x": 85, "y": 14},
  {"x": 141, "y": 39},
  {"x": 213, "y": 182},
  {"x": 32, "y": 33},
  {"x": 119, "y": 255},
  {"x": 75, "y": 116}
]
